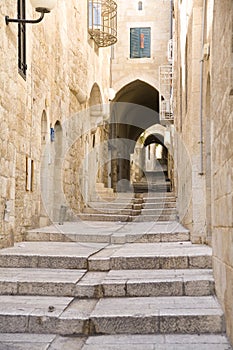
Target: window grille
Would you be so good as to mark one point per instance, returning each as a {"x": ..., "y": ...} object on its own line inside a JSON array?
[{"x": 102, "y": 22}]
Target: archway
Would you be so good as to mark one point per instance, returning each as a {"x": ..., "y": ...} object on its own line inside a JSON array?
[
  {"x": 134, "y": 109},
  {"x": 151, "y": 161}
]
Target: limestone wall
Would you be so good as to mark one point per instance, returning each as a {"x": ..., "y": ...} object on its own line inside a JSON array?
[
  {"x": 63, "y": 64},
  {"x": 190, "y": 180},
  {"x": 222, "y": 155},
  {"x": 204, "y": 134},
  {"x": 154, "y": 14}
]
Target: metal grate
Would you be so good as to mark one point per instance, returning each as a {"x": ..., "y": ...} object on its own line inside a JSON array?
[{"x": 102, "y": 22}]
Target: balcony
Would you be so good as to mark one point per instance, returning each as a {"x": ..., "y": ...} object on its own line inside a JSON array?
[{"x": 102, "y": 22}]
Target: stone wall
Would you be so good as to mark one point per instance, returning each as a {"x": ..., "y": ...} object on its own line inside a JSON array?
[
  {"x": 204, "y": 133},
  {"x": 154, "y": 14},
  {"x": 63, "y": 66},
  {"x": 222, "y": 155},
  {"x": 190, "y": 180}
]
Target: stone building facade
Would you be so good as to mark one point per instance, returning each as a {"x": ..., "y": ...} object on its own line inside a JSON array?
[
  {"x": 204, "y": 132},
  {"x": 48, "y": 117}
]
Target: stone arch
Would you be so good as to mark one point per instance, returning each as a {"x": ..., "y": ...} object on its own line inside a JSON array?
[
  {"x": 145, "y": 158},
  {"x": 130, "y": 78},
  {"x": 95, "y": 102},
  {"x": 134, "y": 109}
]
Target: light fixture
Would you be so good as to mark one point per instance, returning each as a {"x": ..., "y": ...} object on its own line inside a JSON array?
[{"x": 42, "y": 6}]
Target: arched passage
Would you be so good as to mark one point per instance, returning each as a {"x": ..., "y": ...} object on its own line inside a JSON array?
[
  {"x": 134, "y": 109},
  {"x": 151, "y": 161}
]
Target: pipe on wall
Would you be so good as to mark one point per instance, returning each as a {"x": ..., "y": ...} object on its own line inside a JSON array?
[{"x": 201, "y": 172}]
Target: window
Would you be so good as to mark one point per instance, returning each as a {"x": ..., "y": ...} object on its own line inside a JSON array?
[
  {"x": 22, "y": 66},
  {"x": 140, "y": 6},
  {"x": 140, "y": 42},
  {"x": 29, "y": 174},
  {"x": 94, "y": 15}
]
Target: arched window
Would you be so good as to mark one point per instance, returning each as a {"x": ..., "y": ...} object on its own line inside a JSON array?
[{"x": 139, "y": 5}]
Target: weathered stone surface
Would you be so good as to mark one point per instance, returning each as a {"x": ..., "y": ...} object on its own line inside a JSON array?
[{"x": 48, "y": 254}]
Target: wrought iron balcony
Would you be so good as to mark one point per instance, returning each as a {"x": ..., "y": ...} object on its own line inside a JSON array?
[{"x": 102, "y": 22}]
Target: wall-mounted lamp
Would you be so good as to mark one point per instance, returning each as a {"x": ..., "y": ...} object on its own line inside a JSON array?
[{"x": 42, "y": 6}]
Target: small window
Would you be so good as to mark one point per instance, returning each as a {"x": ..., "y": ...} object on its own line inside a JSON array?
[
  {"x": 94, "y": 15},
  {"x": 140, "y": 39},
  {"x": 22, "y": 66},
  {"x": 140, "y": 6},
  {"x": 29, "y": 174}
]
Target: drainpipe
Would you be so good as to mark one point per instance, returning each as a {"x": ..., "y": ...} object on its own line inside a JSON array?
[
  {"x": 201, "y": 87},
  {"x": 171, "y": 19}
]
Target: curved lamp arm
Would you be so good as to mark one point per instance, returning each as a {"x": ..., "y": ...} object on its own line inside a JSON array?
[{"x": 8, "y": 20}]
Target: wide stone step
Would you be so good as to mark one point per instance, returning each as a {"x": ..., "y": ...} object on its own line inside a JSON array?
[
  {"x": 152, "y": 256},
  {"x": 157, "y": 315},
  {"x": 159, "y": 211},
  {"x": 127, "y": 218},
  {"x": 112, "y": 205},
  {"x": 160, "y": 205},
  {"x": 103, "y": 257},
  {"x": 66, "y": 316},
  {"x": 110, "y": 232},
  {"x": 154, "y": 218},
  {"x": 27, "y": 341},
  {"x": 139, "y": 283},
  {"x": 112, "y": 211},
  {"x": 126, "y": 283},
  {"x": 56, "y": 255},
  {"x": 105, "y": 217},
  {"x": 46, "y": 282}
]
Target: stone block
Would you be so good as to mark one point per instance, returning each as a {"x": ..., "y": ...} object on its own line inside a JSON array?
[{"x": 154, "y": 288}]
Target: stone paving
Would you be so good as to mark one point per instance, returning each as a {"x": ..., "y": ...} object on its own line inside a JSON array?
[{"x": 113, "y": 342}]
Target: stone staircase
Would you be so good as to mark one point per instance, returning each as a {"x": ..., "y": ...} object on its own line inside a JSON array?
[
  {"x": 127, "y": 207},
  {"x": 107, "y": 285},
  {"x": 153, "y": 181}
]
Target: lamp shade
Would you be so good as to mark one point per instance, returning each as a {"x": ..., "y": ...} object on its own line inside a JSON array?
[{"x": 43, "y": 4}]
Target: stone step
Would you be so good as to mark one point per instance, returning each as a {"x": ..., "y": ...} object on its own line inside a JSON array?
[
  {"x": 141, "y": 188},
  {"x": 67, "y": 316},
  {"x": 103, "y": 257},
  {"x": 27, "y": 341},
  {"x": 154, "y": 218},
  {"x": 55, "y": 255},
  {"x": 110, "y": 232},
  {"x": 116, "y": 283},
  {"x": 105, "y": 217},
  {"x": 159, "y": 199},
  {"x": 112, "y": 211},
  {"x": 113, "y": 205},
  {"x": 157, "y": 315},
  {"x": 145, "y": 283},
  {"x": 159, "y": 205},
  {"x": 159, "y": 211},
  {"x": 127, "y": 218},
  {"x": 152, "y": 256},
  {"x": 99, "y": 185}
]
